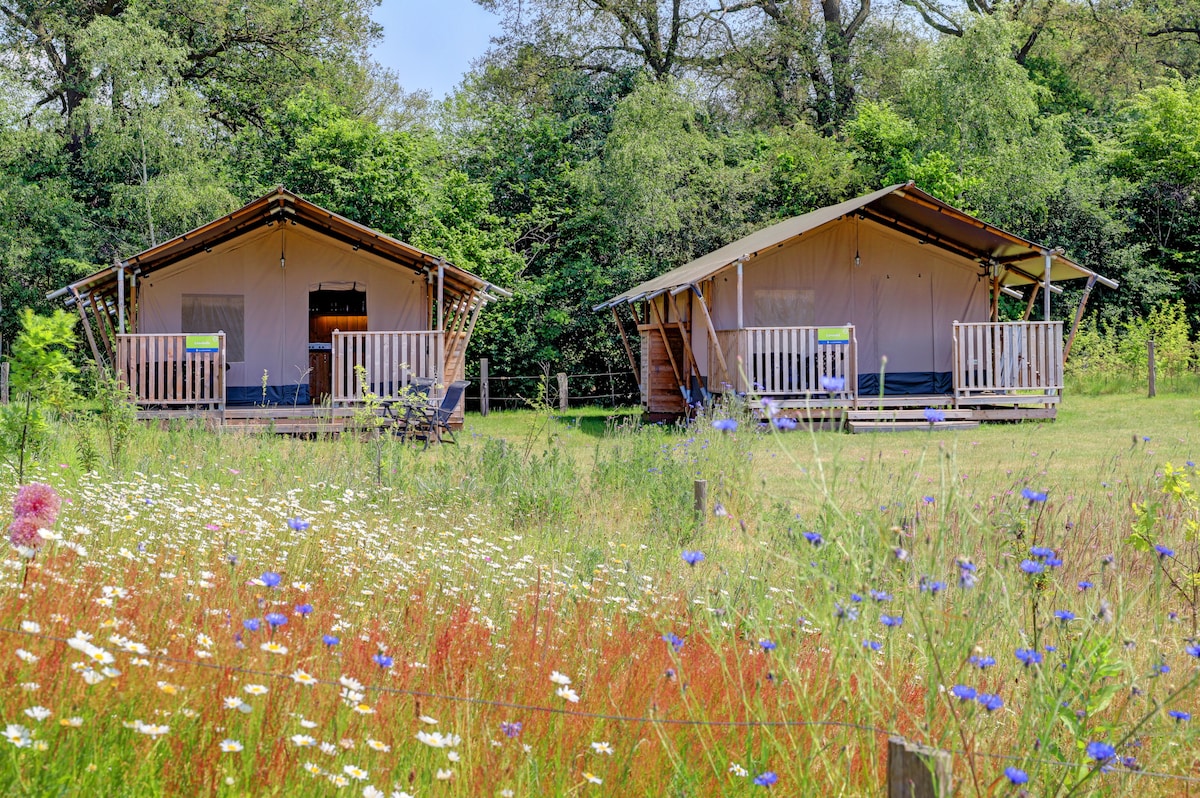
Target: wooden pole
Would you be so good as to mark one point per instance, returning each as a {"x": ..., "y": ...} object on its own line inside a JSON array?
[
  {"x": 740, "y": 306},
  {"x": 563, "y": 399},
  {"x": 916, "y": 771},
  {"x": 87, "y": 329},
  {"x": 1150, "y": 366},
  {"x": 1033, "y": 292},
  {"x": 712, "y": 334},
  {"x": 700, "y": 496},
  {"x": 1087, "y": 292},
  {"x": 684, "y": 333},
  {"x": 662, "y": 331},
  {"x": 637, "y": 377},
  {"x": 1046, "y": 294},
  {"x": 485, "y": 398},
  {"x": 995, "y": 312}
]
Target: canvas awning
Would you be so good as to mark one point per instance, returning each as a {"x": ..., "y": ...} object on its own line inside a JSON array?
[
  {"x": 904, "y": 208},
  {"x": 282, "y": 205}
]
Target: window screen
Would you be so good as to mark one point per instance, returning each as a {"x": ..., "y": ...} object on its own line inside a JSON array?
[
  {"x": 210, "y": 313},
  {"x": 781, "y": 307}
]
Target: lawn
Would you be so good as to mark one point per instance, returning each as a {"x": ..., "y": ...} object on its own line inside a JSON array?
[{"x": 538, "y": 611}]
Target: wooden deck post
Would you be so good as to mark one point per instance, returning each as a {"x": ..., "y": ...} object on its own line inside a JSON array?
[
  {"x": 637, "y": 377},
  {"x": 485, "y": 398},
  {"x": 917, "y": 771},
  {"x": 712, "y": 334},
  {"x": 1033, "y": 292},
  {"x": 1087, "y": 292},
  {"x": 87, "y": 329},
  {"x": 1150, "y": 366}
]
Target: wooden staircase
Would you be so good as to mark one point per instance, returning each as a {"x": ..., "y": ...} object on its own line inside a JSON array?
[{"x": 893, "y": 419}]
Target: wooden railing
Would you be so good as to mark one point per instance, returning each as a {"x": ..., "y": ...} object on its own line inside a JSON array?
[
  {"x": 791, "y": 361},
  {"x": 173, "y": 369},
  {"x": 1003, "y": 357},
  {"x": 391, "y": 361}
]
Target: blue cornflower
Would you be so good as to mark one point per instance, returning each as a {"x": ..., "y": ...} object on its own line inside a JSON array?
[
  {"x": 983, "y": 663},
  {"x": 673, "y": 640},
  {"x": 1028, "y": 656},
  {"x": 928, "y": 499},
  {"x": 251, "y": 624},
  {"x": 1145, "y": 439},
  {"x": 725, "y": 424},
  {"x": 511, "y": 730},
  {"x": 1064, "y": 615},
  {"x": 880, "y": 596},
  {"x": 990, "y": 701},
  {"x": 304, "y": 609},
  {"x": 1031, "y": 567},
  {"x": 1179, "y": 715},
  {"x": 271, "y": 579},
  {"x": 962, "y": 692},
  {"x": 855, "y": 598},
  {"x": 814, "y": 538},
  {"x": 786, "y": 423},
  {"x": 766, "y": 645},
  {"x": 1016, "y": 775},
  {"x": 1032, "y": 495},
  {"x": 1041, "y": 552},
  {"x": 845, "y": 613},
  {"x": 298, "y": 524},
  {"x": 275, "y": 618},
  {"x": 692, "y": 557},
  {"x": 933, "y": 415},
  {"x": 873, "y": 645},
  {"x": 330, "y": 640},
  {"x": 833, "y": 384},
  {"x": 1193, "y": 649},
  {"x": 1086, "y": 585},
  {"x": 766, "y": 779},
  {"x": 928, "y": 585},
  {"x": 382, "y": 660},
  {"x": 1190, "y": 464},
  {"x": 900, "y": 553},
  {"x": 1051, "y": 649},
  {"x": 1101, "y": 752},
  {"x": 967, "y": 578},
  {"x": 891, "y": 620},
  {"x": 1163, "y": 551},
  {"x": 1054, "y": 562}
]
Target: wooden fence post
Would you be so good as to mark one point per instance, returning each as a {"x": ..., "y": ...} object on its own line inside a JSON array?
[
  {"x": 1150, "y": 365},
  {"x": 484, "y": 390},
  {"x": 917, "y": 771},
  {"x": 701, "y": 501},
  {"x": 562, "y": 392}
]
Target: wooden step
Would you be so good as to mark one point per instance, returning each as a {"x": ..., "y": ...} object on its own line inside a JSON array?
[
  {"x": 908, "y": 426},
  {"x": 903, "y": 414}
]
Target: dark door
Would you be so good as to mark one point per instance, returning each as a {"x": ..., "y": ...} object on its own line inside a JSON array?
[{"x": 344, "y": 310}]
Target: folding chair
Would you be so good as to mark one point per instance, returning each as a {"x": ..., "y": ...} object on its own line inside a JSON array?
[
  {"x": 402, "y": 411},
  {"x": 432, "y": 421}
]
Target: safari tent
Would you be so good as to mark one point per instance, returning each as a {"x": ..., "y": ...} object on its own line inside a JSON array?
[
  {"x": 888, "y": 301},
  {"x": 277, "y": 305}
]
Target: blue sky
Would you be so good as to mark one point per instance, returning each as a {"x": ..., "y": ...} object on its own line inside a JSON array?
[{"x": 429, "y": 44}]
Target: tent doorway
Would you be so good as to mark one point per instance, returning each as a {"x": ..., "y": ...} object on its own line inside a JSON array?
[{"x": 331, "y": 306}]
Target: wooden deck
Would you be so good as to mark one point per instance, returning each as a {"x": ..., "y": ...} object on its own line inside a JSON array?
[
  {"x": 897, "y": 413},
  {"x": 278, "y": 420}
]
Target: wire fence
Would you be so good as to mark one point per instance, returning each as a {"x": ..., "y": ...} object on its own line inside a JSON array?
[
  {"x": 553, "y": 389},
  {"x": 630, "y": 719}
]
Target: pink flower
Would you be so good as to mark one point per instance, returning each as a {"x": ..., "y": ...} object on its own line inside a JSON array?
[
  {"x": 23, "y": 532},
  {"x": 37, "y": 499}
]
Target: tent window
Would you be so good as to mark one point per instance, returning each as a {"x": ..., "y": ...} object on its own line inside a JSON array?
[
  {"x": 210, "y": 313},
  {"x": 783, "y": 307}
]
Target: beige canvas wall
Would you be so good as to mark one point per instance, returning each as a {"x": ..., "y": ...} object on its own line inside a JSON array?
[
  {"x": 903, "y": 297},
  {"x": 276, "y": 298}
]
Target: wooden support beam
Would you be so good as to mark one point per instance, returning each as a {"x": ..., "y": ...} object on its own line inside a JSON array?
[
  {"x": 133, "y": 308},
  {"x": 1087, "y": 292},
  {"x": 1033, "y": 292},
  {"x": 662, "y": 332},
  {"x": 685, "y": 334},
  {"x": 100, "y": 325},
  {"x": 87, "y": 329},
  {"x": 995, "y": 314},
  {"x": 637, "y": 376},
  {"x": 712, "y": 334},
  {"x": 921, "y": 233}
]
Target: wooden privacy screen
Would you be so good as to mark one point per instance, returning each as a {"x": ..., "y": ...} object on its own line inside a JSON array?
[
  {"x": 173, "y": 369},
  {"x": 391, "y": 360},
  {"x": 998, "y": 357}
]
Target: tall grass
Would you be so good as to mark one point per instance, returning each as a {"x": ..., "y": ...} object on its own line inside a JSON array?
[{"x": 540, "y": 545}]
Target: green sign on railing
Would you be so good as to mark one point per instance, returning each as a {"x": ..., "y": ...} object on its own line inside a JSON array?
[
  {"x": 833, "y": 335},
  {"x": 202, "y": 343}
]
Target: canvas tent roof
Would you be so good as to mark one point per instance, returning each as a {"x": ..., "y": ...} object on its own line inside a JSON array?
[
  {"x": 902, "y": 207},
  {"x": 283, "y": 205}
]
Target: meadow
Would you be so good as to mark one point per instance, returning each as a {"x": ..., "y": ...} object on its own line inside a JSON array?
[{"x": 538, "y": 611}]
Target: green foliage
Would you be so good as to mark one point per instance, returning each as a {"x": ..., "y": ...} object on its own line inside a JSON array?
[{"x": 1118, "y": 349}]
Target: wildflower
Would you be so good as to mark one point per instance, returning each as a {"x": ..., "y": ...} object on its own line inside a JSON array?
[
  {"x": 17, "y": 735},
  {"x": 71, "y": 723},
  {"x": 593, "y": 778},
  {"x": 930, "y": 586},
  {"x": 274, "y": 648},
  {"x": 1016, "y": 775},
  {"x": 297, "y": 525},
  {"x": 934, "y": 416},
  {"x": 150, "y": 729},
  {"x": 814, "y": 538},
  {"x": 438, "y": 740},
  {"x": 300, "y": 677},
  {"x": 766, "y": 645},
  {"x": 673, "y": 641},
  {"x": 304, "y": 609},
  {"x": 845, "y": 613},
  {"x": 330, "y": 641},
  {"x": 230, "y": 746},
  {"x": 1161, "y": 668},
  {"x": 255, "y": 689},
  {"x": 766, "y": 779},
  {"x": 785, "y": 423},
  {"x": 37, "y": 500},
  {"x": 963, "y": 693},
  {"x": 251, "y": 624},
  {"x": 376, "y": 745},
  {"x": 275, "y": 619},
  {"x": 1085, "y": 585},
  {"x": 725, "y": 424},
  {"x": 1100, "y": 751},
  {"x": 427, "y": 720},
  {"x": 833, "y": 384},
  {"x": 559, "y": 678},
  {"x": 568, "y": 694},
  {"x": 511, "y": 730},
  {"x": 1041, "y": 552},
  {"x": 38, "y": 713},
  {"x": 900, "y": 554},
  {"x": 313, "y": 769},
  {"x": 355, "y": 772},
  {"x": 303, "y": 740},
  {"x": 990, "y": 701},
  {"x": 1028, "y": 656},
  {"x": 1193, "y": 649},
  {"x": 23, "y": 534},
  {"x": 1064, "y": 615},
  {"x": 880, "y": 596},
  {"x": 1163, "y": 551},
  {"x": 602, "y": 748},
  {"x": 383, "y": 660},
  {"x": 1032, "y": 567},
  {"x": 25, "y": 656},
  {"x": 891, "y": 620},
  {"x": 1033, "y": 496},
  {"x": 981, "y": 662},
  {"x": 738, "y": 770},
  {"x": 692, "y": 558},
  {"x": 1179, "y": 715},
  {"x": 270, "y": 579},
  {"x": 873, "y": 645}
]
